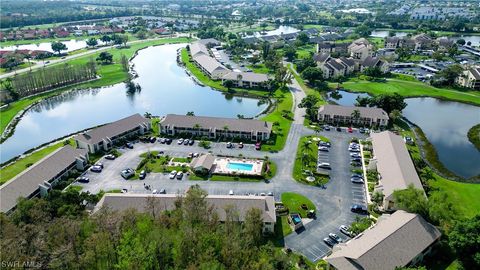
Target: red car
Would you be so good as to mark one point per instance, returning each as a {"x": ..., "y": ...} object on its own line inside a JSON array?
[
  {"x": 258, "y": 145},
  {"x": 350, "y": 130}
]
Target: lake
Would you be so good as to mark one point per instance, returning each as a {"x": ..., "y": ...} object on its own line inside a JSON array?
[
  {"x": 446, "y": 124},
  {"x": 166, "y": 88},
  {"x": 72, "y": 45},
  {"x": 475, "y": 39},
  {"x": 282, "y": 29}
]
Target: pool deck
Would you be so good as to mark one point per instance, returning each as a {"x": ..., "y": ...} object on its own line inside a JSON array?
[{"x": 221, "y": 166}]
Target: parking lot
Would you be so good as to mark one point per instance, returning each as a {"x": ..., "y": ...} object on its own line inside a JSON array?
[{"x": 333, "y": 201}]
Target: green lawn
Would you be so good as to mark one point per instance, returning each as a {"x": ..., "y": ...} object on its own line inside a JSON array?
[
  {"x": 306, "y": 160},
  {"x": 305, "y": 87},
  {"x": 282, "y": 118},
  {"x": 110, "y": 74},
  {"x": 20, "y": 165},
  {"x": 294, "y": 201},
  {"x": 410, "y": 88},
  {"x": 259, "y": 68}
]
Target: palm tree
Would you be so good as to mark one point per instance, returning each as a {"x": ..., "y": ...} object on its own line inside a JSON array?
[
  {"x": 395, "y": 115},
  {"x": 147, "y": 115},
  {"x": 197, "y": 127},
  {"x": 356, "y": 115},
  {"x": 225, "y": 130}
]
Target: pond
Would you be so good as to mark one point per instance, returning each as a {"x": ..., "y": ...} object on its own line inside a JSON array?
[
  {"x": 446, "y": 124},
  {"x": 282, "y": 29},
  {"x": 166, "y": 88},
  {"x": 384, "y": 33},
  {"x": 72, "y": 45}
]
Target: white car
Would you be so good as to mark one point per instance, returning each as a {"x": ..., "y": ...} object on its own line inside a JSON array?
[
  {"x": 323, "y": 148},
  {"x": 180, "y": 141},
  {"x": 324, "y": 165},
  {"x": 230, "y": 192},
  {"x": 346, "y": 230},
  {"x": 172, "y": 174}
]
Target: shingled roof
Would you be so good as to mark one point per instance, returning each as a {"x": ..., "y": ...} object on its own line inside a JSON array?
[
  {"x": 163, "y": 202},
  {"x": 113, "y": 129},
  {"x": 374, "y": 113},
  {"x": 246, "y": 77},
  {"x": 393, "y": 242},
  {"x": 28, "y": 181},
  {"x": 209, "y": 63}
]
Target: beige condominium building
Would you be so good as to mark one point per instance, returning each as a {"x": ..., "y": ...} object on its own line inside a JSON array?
[
  {"x": 337, "y": 114},
  {"x": 215, "y": 127},
  {"x": 157, "y": 203}
]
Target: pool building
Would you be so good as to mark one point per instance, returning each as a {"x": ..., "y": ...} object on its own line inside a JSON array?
[
  {"x": 208, "y": 163},
  {"x": 215, "y": 127}
]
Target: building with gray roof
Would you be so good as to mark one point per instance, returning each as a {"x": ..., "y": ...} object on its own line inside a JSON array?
[
  {"x": 470, "y": 78},
  {"x": 197, "y": 49},
  {"x": 397, "y": 240},
  {"x": 394, "y": 166},
  {"x": 203, "y": 164},
  {"x": 104, "y": 137},
  {"x": 211, "y": 66},
  {"x": 146, "y": 203},
  {"x": 247, "y": 79},
  {"x": 337, "y": 114},
  {"x": 39, "y": 178},
  {"x": 215, "y": 127}
]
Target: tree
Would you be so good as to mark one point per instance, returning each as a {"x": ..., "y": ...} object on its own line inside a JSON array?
[
  {"x": 124, "y": 62},
  {"x": 190, "y": 113},
  {"x": 464, "y": 240},
  {"x": 362, "y": 101},
  {"x": 253, "y": 227},
  {"x": 312, "y": 75},
  {"x": 389, "y": 102},
  {"x": 412, "y": 200},
  {"x": 254, "y": 59},
  {"x": 58, "y": 47},
  {"x": 106, "y": 39},
  {"x": 305, "y": 63},
  {"x": 290, "y": 53},
  {"x": 282, "y": 77},
  {"x": 356, "y": 115},
  {"x": 449, "y": 74},
  {"x": 303, "y": 38},
  {"x": 6, "y": 85},
  {"x": 105, "y": 58},
  {"x": 228, "y": 84},
  {"x": 92, "y": 42},
  {"x": 461, "y": 42},
  {"x": 12, "y": 60},
  {"x": 395, "y": 115},
  {"x": 363, "y": 31},
  {"x": 310, "y": 103},
  {"x": 142, "y": 34},
  {"x": 373, "y": 72}
]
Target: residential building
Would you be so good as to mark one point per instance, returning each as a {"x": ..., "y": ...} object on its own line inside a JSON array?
[
  {"x": 211, "y": 67},
  {"x": 334, "y": 67},
  {"x": 247, "y": 79},
  {"x": 215, "y": 127},
  {"x": 157, "y": 203},
  {"x": 422, "y": 42},
  {"x": 336, "y": 114},
  {"x": 209, "y": 42},
  {"x": 394, "y": 166},
  {"x": 331, "y": 47},
  {"x": 39, "y": 178},
  {"x": 470, "y": 78},
  {"x": 197, "y": 49},
  {"x": 393, "y": 42},
  {"x": 360, "y": 49},
  {"x": 373, "y": 62},
  {"x": 104, "y": 137},
  {"x": 203, "y": 164},
  {"x": 398, "y": 240},
  {"x": 444, "y": 44}
]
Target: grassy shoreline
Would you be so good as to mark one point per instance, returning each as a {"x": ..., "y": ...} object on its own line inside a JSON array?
[{"x": 474, "y": 136}]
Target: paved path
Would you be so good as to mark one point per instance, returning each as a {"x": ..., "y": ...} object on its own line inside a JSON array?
[{"x": 333, "y": 201}]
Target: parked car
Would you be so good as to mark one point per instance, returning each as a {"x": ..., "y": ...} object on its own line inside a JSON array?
[
  {"x": 322, "y": 143},
  {"x": 356, "y": 180},
  {"x": 129, "y": 145},
  {"x": 346, "y": 230},
  {"x": 162, "y": 140},
  {"x": 152, "y": 139},
  {"x": 110, "y": 157},
  {"x": 354, "y": 149},
  {"x": 240, "y": 145},
  {"x": 172, "y": 174},
  {"x": 186, "y": 142},
  {"x": 355, "y": 154},
  {"x": 355, "y": 164},
  {"x": 154, "y": 191},
  {"x": 127, "y": 173},
  {"x": 190, "y": 155},
  {"x": 99, "y": 164},
  {"x": 196, "y": 154},
  {"x": 326, "y": 127},
  {"x": 162, "y": 191},
  {"x": 263, "y": 194},
  {"x": 359, "y": 209},
  {"x": 179, "y": 175},
  {"x": 83, "y": 179},
  {"x": 339, "y": 129},
  {"x": 191, "y": 142},
  {"x": 355, "y": 159},
  {"x": 258, "y": 146},
  {"x": 180, "y": 141},
  {"x": 324, "y": 165},
  {"x": 323, "y": 148},
  {"x": 230, "y": 192},
  {"x": 361, "y": 130},
  {"x": 270, "y": 193},
  {"x": 142, "y": 175},
  {"x": 329, "y": 242},
  {"x": 124, "y": 190},
  {"x": 95, "y": 168},
  {"x": 356, "y": 175},
  {"x": 229, "y": 145},
  {"x": 335, "y": 237},
  {"x": 168, "y": 141}
]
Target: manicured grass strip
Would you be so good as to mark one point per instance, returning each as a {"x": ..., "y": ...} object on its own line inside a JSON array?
[
  {"x": 20, "y": 165},
  {"x": 259, "y": 68},
  {"x": 474, "y": 136},
  {"x": 233, "y": 178},
  {"x": 282, "y": 118},
  {"x": 110, "y": 74},
  {"x": 306, "y": 159},
  {"x": 294, "y": 202},
  {"x": 202, "y": 77},
  {"x": 410, "y": 89}
]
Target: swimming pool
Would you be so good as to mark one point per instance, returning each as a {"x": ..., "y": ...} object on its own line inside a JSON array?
[{"x": 240, "y": 166}]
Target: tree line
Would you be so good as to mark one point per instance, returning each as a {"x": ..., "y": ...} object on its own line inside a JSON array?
[
  {"x": 56, "y": 233},
  {"x": 46, "y": 79}
]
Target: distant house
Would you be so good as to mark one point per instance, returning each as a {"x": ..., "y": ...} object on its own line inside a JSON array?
[
  {"x": 331, "y": 47},
  {"x": 247, "y": 79},
  {"x": 393, "y": 42},
  {"x": 373, "y": 62},
  {"x": 334, "y": 67},
  {"x": 203, "y": 164},
  {"x": 394, "y": 166},
  {"x": 215, "y": 127},
  {"x": 39, "y": 178},
  {"x": 197, "y": 49},
  {"x": 209, "y": 42},
  {"x": 92, "y": 32},
  {"x": 360, "y": 49},
  {"x": 146, "y": 203},
  {"x": 211, "y": 66},
  {"x": 398, "y": 240},
  {"x": 444, "y": 44},
  {"x": 103, "y": 138},
  {"x": 336, "y": 114},
  {"x": 470, "y": 78}
]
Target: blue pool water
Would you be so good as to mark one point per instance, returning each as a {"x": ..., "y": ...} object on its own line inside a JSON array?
[{"x": 240, "y": 166}]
